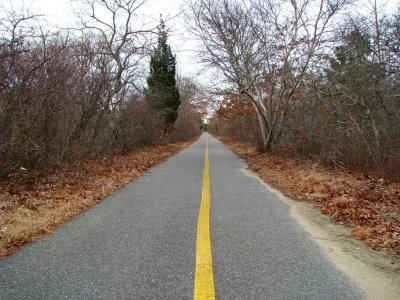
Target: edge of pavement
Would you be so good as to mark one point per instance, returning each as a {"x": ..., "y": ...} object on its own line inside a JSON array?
[{"x": 371, "y": 271}]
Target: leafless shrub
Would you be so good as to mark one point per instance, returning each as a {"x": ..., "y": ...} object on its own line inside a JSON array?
[{"x": 73, "y": 94}]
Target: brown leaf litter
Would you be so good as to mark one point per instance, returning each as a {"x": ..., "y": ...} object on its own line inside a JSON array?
[
  {"x": 33, "y": 204},
  {"x": 370, "y": 206}
]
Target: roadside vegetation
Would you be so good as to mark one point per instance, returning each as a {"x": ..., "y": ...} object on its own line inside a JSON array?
[
  {"x": 311, "y": 82},
  {"x": 369, "y": 205},
  {"x": 79, "y": 93},
  {"x": 33, "y": 204}
]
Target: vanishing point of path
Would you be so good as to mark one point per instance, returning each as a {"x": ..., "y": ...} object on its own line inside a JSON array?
[{"x": 141, "y": 242}]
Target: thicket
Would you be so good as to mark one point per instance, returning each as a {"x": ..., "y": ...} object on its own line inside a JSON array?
[
  {"x": 67, "y": 95},
  {"x": 344, "y": 109}
]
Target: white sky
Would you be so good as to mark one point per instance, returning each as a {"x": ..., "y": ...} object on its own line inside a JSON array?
[{"x": 60, "y": 13}]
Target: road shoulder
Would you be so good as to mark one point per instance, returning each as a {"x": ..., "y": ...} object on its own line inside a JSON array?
[{"x": 374, "y": 272}]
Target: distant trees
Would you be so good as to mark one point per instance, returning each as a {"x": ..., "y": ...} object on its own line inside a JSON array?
[
  {"x": 193, "y": 108},
  {"x": 236, "y": 118},
  {"x": 162, "y": 92}
]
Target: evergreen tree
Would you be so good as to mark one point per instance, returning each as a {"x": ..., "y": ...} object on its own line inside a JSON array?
[
  {"x": 358, "y": 83},
  {"x": 162, "y": 91}
]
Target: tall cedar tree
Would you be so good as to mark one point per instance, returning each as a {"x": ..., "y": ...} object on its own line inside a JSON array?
[{"x": 162, "y": 91}]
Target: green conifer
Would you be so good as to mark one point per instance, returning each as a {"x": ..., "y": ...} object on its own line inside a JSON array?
[{"x": 162, "y": 91}]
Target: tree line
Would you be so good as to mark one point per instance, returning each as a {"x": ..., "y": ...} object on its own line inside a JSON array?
[
  {"x": 77, "y": 93},
  {"x": 308, "y": 77}
]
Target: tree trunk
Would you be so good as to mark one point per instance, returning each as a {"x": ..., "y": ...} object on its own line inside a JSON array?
[
  {"x": 373, "y": 125},
  {"x": 266, "y": 146}
]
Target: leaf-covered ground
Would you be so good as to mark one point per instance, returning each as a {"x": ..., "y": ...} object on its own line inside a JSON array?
[
  {"x": 371, "y": 206},
  {"x": 34, "y": 204}
]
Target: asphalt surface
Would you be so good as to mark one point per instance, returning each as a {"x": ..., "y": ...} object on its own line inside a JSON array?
[{"x": 140, "y": 243}]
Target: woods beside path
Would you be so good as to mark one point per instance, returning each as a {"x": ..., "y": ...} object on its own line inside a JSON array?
[{"x": 33, "y": 204}]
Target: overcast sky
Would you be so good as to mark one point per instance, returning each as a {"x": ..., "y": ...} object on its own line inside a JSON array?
[{"x": 60, "y": 13}]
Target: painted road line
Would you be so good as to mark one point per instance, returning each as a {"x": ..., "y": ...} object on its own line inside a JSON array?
[{"x": 204, "y": 278}]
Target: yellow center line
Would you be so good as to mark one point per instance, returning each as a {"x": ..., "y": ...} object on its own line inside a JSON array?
[{"x": 204, "y": 278}]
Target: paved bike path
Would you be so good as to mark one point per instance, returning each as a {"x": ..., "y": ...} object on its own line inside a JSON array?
[{"x": 140, "y": 243}]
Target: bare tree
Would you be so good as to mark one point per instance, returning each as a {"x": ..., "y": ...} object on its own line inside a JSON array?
[
  {"x": 15, "y": 28},
  {"x": 193, "y": 108},
  {"x": 263, "y": 49},
  {"x": 123, "y": 38}
]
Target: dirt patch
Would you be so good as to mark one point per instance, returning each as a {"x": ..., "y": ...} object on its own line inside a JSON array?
[
  {"x": 34, "y": 204},
  {"x": 369, "y": 206},
  {"x": 374, "y": 272}
]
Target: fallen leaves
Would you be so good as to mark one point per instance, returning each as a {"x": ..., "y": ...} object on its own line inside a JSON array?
[
  {"x": 371, "y": 206},
  {"x": 34, "y": 204}
]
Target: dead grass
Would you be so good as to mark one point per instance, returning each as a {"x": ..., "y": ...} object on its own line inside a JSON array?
[
  {"x": 371, "y": 206},
  {"x": 34, "y": 204}
]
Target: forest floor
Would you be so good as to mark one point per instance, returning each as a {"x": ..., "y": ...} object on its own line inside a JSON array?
[
  {"x": 33, "y": 204},
  {"x": 370, "y": 206}
]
